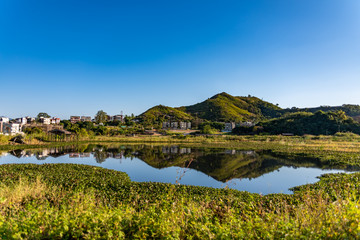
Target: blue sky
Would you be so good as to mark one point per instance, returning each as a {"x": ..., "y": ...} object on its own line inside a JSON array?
[{"x": 77, "y": 57}]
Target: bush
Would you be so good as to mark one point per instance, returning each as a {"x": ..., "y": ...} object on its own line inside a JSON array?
[{"x": 33, "y": 130}]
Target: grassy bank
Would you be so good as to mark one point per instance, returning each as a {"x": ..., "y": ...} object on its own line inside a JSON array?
[{"x": 85, "y": 202}]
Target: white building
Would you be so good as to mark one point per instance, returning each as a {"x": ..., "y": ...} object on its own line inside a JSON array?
[
  {"x": 185, "y": 125},
  {"x": 46, "y": 121},
  {"x": 21, "y": 121},
  {"x": 30, "y": 120},
  {"x": 10, "y": 128},
  {"x": 174, "y": 125},
  {"x": 4, "y": 119},
  {"x": 55, "y": 120}
]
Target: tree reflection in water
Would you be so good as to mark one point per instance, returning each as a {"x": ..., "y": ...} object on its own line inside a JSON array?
[{"x": 221, "y": 164}]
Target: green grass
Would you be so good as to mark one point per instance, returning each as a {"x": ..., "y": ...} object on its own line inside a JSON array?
[{"x": 67, "y": 201}]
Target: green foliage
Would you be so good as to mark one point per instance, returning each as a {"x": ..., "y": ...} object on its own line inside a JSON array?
[
  {"x": 4, "y": 139},
  {"x": 84, "y": 202},
  {"x": 42, "y": 114},
  {"x": 207, "y": 129},
  {"x": 350, "y": 110},
  {"x": 212, "y": 125},
  {"x": 160, "y": 113},
  {"x": 101, "y": 116},
  {"x": 243, "y": 130},
  {"x": 300, "y": 123},
  {"x": 226, "y": 108},
  {"x": 33, "y": 130}
]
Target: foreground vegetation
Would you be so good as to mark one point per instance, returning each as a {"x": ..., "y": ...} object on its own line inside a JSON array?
[{"x": 83, "y": 202}]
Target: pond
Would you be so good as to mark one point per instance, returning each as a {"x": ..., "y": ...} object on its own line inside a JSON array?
[{"x": 252, "y": 171}]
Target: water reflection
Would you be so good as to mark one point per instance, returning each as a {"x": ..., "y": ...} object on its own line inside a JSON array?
[{"x": 253, "y": 171}]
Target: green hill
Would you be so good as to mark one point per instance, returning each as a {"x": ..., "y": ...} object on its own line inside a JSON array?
[
  {"x": 300, "y": 123},
  {"x": 223, "y": 107},
  {"x": 350, "y": 110},
  {"x": 160, "y": 113}
]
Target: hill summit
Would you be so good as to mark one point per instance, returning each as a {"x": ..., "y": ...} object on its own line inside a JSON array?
[
  {"x": 221, "y": 107},
  {"x": 224, "y": 107}
]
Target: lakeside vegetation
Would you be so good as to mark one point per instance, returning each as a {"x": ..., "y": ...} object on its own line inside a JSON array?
[
  {"x": 84, "y": 202},
  {"x": 70, "y": 201},
  {"x": 339, "y": 149}
]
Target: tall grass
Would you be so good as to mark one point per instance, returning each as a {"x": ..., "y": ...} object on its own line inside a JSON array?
[
  {"x": 36, "y": 206},
  {"x": 37, "y": 211}
]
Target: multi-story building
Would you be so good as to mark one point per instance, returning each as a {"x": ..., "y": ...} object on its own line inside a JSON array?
[
  {"x": 46, "y": 121},
  {"x": 30, "y": 120},
  {"x": 21, "y": 121},
  {"x": 55, "y": 120},
  {"x": 176, "y": 125},
  {"x": 75, "y": 119},
  {"x": 166, "y": 125},
  {"x": 10, "y": 128},
  {"x": 118, "y": 117},
  {"x": 185, "y": 125},
  {"x": 4, "y": 119},
  {"x": 85, "y": 119}
]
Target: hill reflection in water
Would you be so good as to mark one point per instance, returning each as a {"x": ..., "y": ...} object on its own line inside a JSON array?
[{"x": 160, "y": 163}]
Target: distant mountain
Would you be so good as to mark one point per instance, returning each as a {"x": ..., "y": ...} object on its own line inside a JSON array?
[{"x": 224, "y": 108}]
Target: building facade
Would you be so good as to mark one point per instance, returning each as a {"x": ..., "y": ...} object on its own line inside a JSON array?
[
  {"x": 85, "y": 119},
  {"x": 118, "y": 117},
  {"x": 75, "y": 119},
  {"x": 176, "y": 125},
  {"x": 229, "y": 126},
  {"x": 55, "y": 120},
  {"x": 10, "y": 128},
  {"x": 46, "y": 121}
]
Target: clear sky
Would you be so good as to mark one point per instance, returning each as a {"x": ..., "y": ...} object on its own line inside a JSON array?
[{"x": 76, "y": 57}]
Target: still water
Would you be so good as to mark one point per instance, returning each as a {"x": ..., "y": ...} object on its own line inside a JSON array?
[{"x": 256, "y": 172}]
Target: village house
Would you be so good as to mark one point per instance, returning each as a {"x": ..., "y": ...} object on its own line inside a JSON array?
[
  {"x": 55, "y": 120},
  {"x": 46, "y": 121},
  {"x": 174, "y": 125},
  {"x": 8, "y": 128},
  {"x": 118, "y": 117},
  {"x": 30, "y": 120},
  {"x": 4, "y": 119},
  {"x": 21, "y": 121},
  {"x": 75, "y": 119},
  {"x": 85, "y": 119},
  {"x": 165, "y": 125},
  {"x": 229, "y": 126},
  {"x": 185, "y": 125}
]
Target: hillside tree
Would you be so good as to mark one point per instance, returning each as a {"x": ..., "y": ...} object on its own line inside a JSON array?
[{"x": 100, "y": 116}]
